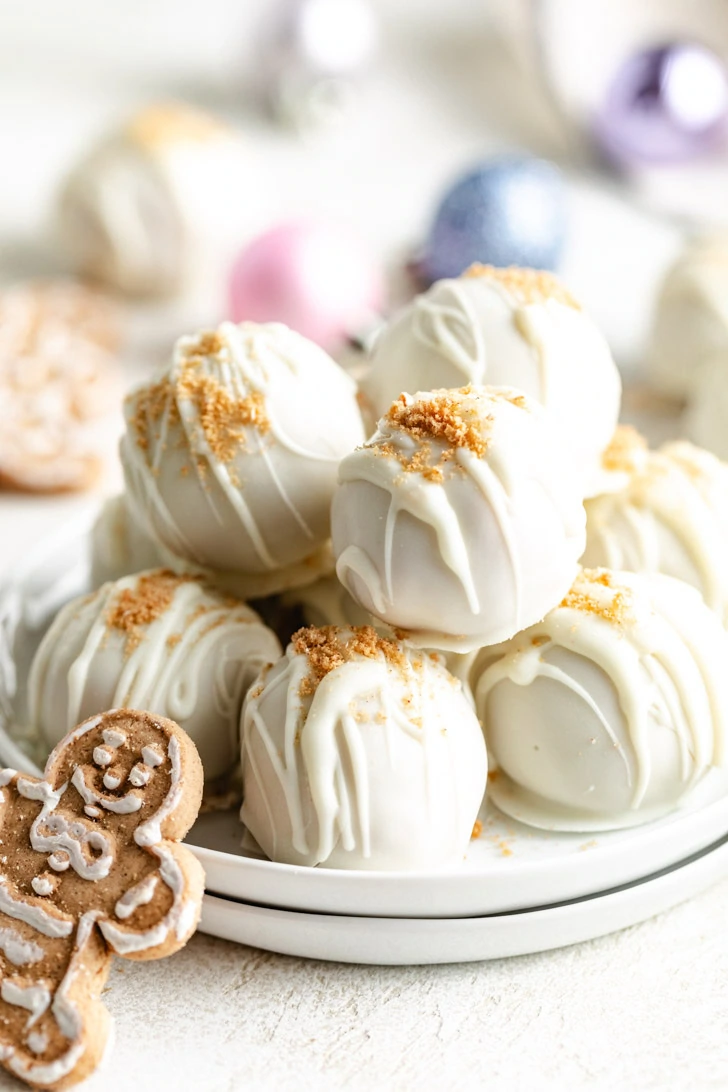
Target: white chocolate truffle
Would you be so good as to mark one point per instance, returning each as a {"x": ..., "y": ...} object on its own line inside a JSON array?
[
  {"x": 670, "y": 517},
  {"x": 119, "y": 545},
  {"x": 706, "y": 415},
  {"x": 360, "y": 752},
  {"x": 690, "y": 324},
  {"x": 505, "y": 327},
  {"x": 459, "y": 521},
  {"x": 156, "y": 641},
  {"x": 609, "y": 711},
  {"x": 230, "y": 458},
  {"x": 158, "y": 206}
]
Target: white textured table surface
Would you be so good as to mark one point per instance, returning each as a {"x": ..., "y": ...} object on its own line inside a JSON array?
[{"x": 645, "y": 1009}]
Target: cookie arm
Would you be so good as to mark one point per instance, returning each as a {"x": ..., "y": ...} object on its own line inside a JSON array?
[{"x": 155, "y": 929}]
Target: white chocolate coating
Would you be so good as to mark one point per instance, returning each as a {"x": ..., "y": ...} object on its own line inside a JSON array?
[
  {"x": 706, "y": 415},
  {"x": 484, "y": 327},
  {"x": 231, "y": 457},
  {"x": 119, "y": 546},
  {"x": 382, "y": 767},
  {"x": 690, "y": 324},
  {"x": 611, "y": 709},
  {"x": 159, "y": 204},
  {"x": 192, "y": 663},
  {"x": 671, "y": 517},
  {"x": 476, "y": 552}
]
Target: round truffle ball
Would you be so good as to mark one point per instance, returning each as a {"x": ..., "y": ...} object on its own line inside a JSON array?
[
  {"x": 119, "y": 546},
  {"x": 609, "y": 711},
  {"x": 460, "y": 520},
  {"x": 317, "y": 278},
  {"x": 157, "y": 641},
  {"x": 360, "y": 752},
  {"x": 705, "y": 419},
  {"x": 511, "y": 210},
  {"x": 151, "y": 210},
  {"x": 230, "y": 457},
  {"x": 671, "y": 516},
  {"x": 510, "y": 327},
  {"x": 690, "y": 322}
]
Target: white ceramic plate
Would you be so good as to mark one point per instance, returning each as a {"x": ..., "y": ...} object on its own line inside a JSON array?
[
  {"x": 398, "y": 941},
  {"x": 509, "y": 867}
]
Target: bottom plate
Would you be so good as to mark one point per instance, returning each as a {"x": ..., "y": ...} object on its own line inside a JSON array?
[{"x": 402, "y": 941}]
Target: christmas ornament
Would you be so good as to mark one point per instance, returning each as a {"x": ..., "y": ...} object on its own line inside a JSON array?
[
  {"x": 316, "y": 278},
  {"x": 510, "y": 210}
]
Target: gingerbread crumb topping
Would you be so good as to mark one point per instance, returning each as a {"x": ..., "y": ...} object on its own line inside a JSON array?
[
  {"x": 625, "y": 450},
  {"x": 223, "y": 414},
  {"x": 527, "y": 285},
  {"x": 455, "y": 417},
  {"x": 593, "y": 592},
  {"x": 329, "y": 647},
  {"x": 135, "y": 608},
  {"x": 223, "y": 418}
]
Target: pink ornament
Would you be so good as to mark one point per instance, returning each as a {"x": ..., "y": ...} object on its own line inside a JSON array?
[{"x": 316, "y": 278}]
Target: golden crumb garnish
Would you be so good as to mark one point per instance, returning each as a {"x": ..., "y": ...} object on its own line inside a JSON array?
[
  {"x": 527, "y": 285},
  {"x": 593, "y": 592},
  {"x": 222, "y": 416},
  {"x": 477, "y": 830},
  {"x": 625, "y": 451},
  {"x": 135, "y": 608},
  {"x": 456, "y": 417},
  {"x": 329, "y": 647}
]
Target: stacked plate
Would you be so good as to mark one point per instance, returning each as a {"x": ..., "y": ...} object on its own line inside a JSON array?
[{"x": 519, "y": 890}]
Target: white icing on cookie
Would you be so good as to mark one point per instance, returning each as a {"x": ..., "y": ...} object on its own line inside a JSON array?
[
  {"x": 152, "y": 756},
  {"x": 37, "y": 1041},
  {"x": 111, "y": 781},
  {"x": 35, "y": 998},
  {"x": 139, "y": 775},
  {"x": 103, "y": 756},
  {"x": 139, "y": 895},
  {"x": 44, "y": 885},
  {"x": 87, "y": 850},
  {"x": 17, "y": 949},
  {"x": 150, "y": 832},
  {"x": 113, "y": 738},
  {"x": 123, "y": 805},
  {"x": 50, "y": 925}
]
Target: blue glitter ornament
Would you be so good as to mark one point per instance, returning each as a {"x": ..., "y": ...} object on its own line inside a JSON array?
[{"x": 511, "y": 210}]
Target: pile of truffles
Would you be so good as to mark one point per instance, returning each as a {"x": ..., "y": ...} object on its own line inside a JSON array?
[{"x": 427, "y": 581}]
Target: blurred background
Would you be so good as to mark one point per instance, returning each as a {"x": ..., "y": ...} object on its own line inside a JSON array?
[{"x": 357, "y": 120}]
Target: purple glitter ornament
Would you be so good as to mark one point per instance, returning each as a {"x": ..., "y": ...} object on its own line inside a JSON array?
[{"x": 667, "y": 104}]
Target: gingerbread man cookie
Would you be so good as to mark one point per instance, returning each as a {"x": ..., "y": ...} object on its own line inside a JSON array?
[{"x": 91, "y": 867}]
